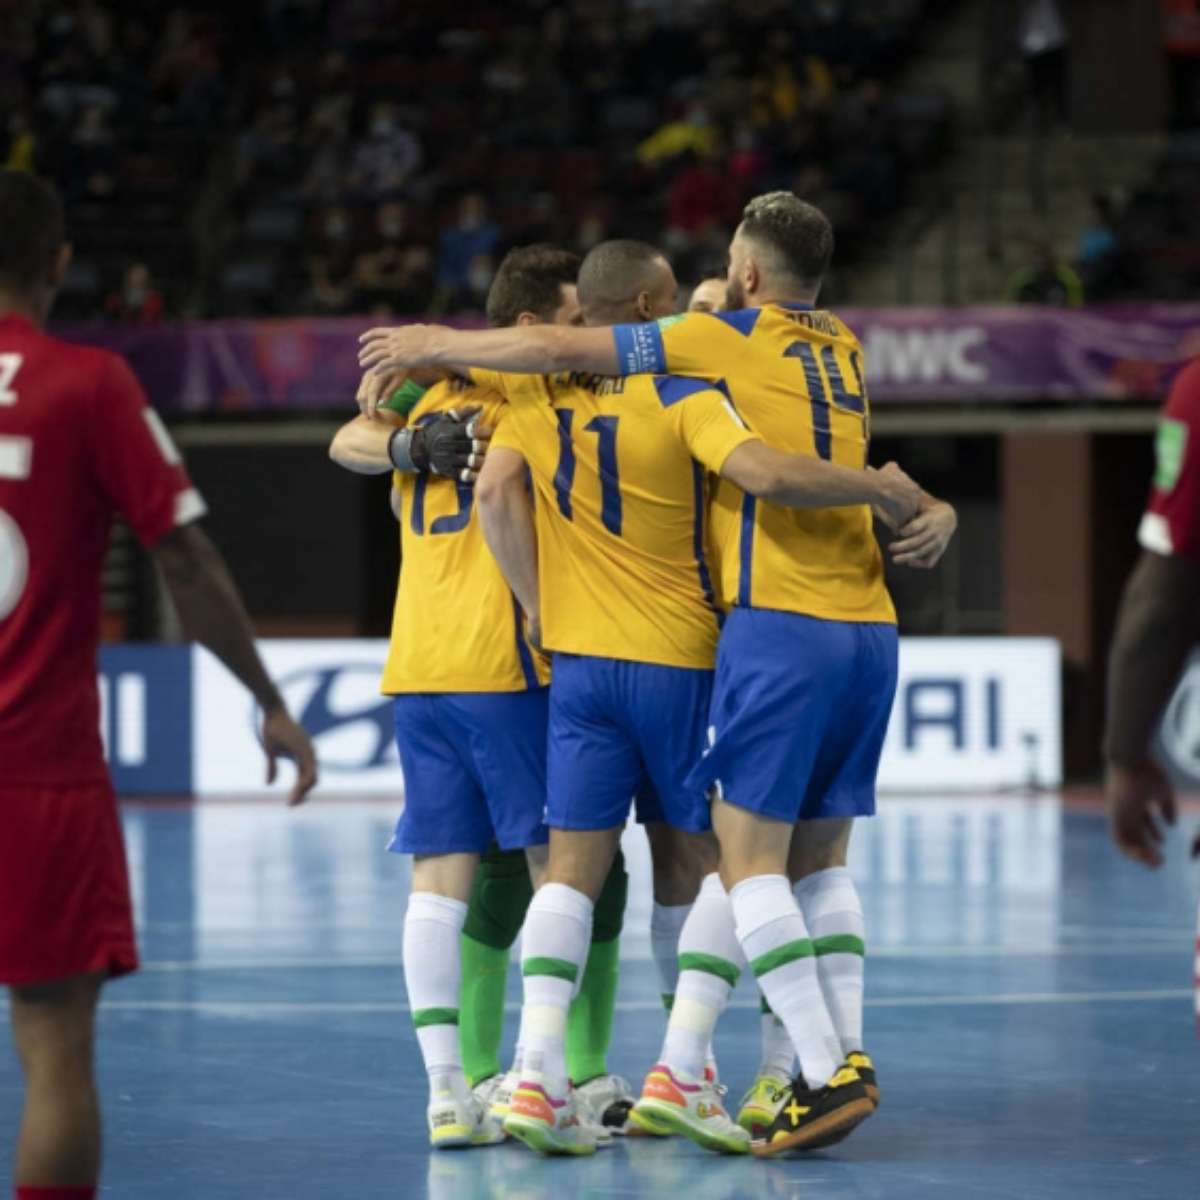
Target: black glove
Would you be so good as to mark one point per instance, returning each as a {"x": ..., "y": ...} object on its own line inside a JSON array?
[{"x": 442, "y": 446}]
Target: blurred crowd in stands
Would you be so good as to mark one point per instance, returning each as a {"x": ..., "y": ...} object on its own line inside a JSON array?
[
  {"x": 1139, "y": 243},
  {"x": 339, "y": 156}
]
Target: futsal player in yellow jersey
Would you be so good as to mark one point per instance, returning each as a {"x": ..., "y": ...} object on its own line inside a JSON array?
[
  {"x": 807, "y": 663},
  {"x": 471, "y": 712},
  {"x": 620, "y": 589}
]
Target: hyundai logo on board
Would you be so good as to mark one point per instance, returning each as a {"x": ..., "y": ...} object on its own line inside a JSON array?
[{"x": 348, "y": 720}]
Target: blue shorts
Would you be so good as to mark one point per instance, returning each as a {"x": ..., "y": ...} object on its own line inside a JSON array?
[
  {"x": 474, "y": 771},
  {"x": 620, "y": 729},
  {"x": 799, "y": 712}
]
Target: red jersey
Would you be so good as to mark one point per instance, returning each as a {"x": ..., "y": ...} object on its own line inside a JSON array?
[
  {"x": 1172, "y": 521},
  {"x": 77, "y": 443}
]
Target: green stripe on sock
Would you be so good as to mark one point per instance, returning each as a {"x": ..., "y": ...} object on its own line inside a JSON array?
[
  {"x": 668, "y": 999},
  {"x": 434, "y": 1016},
  {"x": 840, "y": 943},
  {"x": 558, "y": 967},
  {"x": 781, "y": 956},
  {"x": 722, "y": 968}
]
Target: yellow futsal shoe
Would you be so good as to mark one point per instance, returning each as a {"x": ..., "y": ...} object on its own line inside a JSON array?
[
  {"x": 762, "y": 1102},
  {"x": 548, "y": 1124},
  {"x": 691, "y": 1109},
  {"x": 812, "y": 1119},
  {"x": 861, "y": 1062},
  {"x": 456, "y": 1122}
]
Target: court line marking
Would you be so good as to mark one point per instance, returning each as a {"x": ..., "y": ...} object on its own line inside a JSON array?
[
  {"x": 1184, "y": 944},
  {"x": 252, "y": 1008}
]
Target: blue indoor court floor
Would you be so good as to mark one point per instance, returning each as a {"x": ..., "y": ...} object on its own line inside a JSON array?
[{"x": 1029, "y": 1009}]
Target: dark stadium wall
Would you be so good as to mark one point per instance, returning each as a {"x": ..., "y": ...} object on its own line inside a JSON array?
[
  {"x": 1117, "y": 66},
  {"x": 1071, "y": 504},
  {"x": 307, "y": 543}
]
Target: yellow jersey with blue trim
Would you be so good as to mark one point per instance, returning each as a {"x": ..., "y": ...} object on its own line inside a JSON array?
[
  {"x": 456, "y": 626},
  {"x": 796, "y": 376},
  {"x": 618, "y": 468}
]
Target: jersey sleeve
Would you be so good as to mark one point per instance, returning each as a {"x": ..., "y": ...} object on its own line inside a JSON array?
[
  {"x": 1171, "y": 524},
  {"x": 703, "y": 419},
  {"x": 505, "y": 435},
  {"x": 686, "y": 344},
  {"x": 137, "y": 464},
  {"x": 495, "y": 381}
]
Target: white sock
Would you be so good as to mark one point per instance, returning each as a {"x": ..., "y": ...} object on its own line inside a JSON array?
[
  {"x": 666, "y": 923},
  {"x": 834, "y": 915},
  {"x": 519, "y": 1048},
  {"x": 432, "y": 972},
  {"x": 710, "y": 961},
  {"x": 778, "y": 1053},
  {"x": 558, "y": 929},
  {"x": 775, "y": 938}
]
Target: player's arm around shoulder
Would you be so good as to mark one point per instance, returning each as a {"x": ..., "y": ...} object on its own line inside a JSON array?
[
  {"x": 451, "y": 443},
  {"x": 361, "y": 445},
  {"x": 524, "y": 349},
  {"x": 506, "y": 518},
  {"x": 802, "y": 481}
]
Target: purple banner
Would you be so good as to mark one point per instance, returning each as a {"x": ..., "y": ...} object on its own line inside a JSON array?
[{"x": 965, "y": 355}]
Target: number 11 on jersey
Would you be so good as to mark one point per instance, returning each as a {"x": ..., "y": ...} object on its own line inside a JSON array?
[{"x": 605, "y": 429}]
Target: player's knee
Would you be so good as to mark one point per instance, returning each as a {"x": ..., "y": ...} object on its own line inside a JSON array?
[
  {"x": 680, "y": 863},
  {"x": 53, "y": 1028},
  {"x": 499, "y": 899},
  {"x": 818, "y": 846}
]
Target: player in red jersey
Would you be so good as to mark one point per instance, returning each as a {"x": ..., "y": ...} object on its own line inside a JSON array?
[
  {"x": 78, "y": 444},
  {"x": 1158, "y": 624}
]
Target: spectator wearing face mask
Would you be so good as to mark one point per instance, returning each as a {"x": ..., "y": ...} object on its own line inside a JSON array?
[
  {"x": 138, "y": 302},
  {"x": 384, "y": 266},
  {"x": 472, "y": 236},
  {"x": 332, "y": 263},
  {"x": 386, "y": 158}
]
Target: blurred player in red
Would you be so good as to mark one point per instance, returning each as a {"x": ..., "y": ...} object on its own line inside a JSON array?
[
  {"x": 78, "y": 444},
  {"x": 1158, "y": 624}
]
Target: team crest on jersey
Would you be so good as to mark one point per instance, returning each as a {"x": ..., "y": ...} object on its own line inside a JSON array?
[{"x": 1170, "y": 447}]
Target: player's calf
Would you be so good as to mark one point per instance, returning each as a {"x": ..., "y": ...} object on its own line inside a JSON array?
[
  {"x": 433, "y": 924},
  {"x": 53, "y": 1027}
]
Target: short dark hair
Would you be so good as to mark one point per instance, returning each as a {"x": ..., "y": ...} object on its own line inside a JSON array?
[
  {"x": 799, "y": 233},
  {"x": 530, "y": 279},
  {"x": 614, "y": 271},
  {"x": 32, "y": 228}
]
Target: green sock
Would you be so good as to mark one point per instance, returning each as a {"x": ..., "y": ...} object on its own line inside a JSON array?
[
  {"x": 481, "y": 1008},
  {"x": 499, "y": 898},
  {"x": 590, "y": 1023}
]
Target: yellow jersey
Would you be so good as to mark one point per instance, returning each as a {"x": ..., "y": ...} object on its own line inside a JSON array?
[
  {"x": 456, "y": 626},
  {"x": 795, "y": 375},
  {"x": 618, "y": 469}
]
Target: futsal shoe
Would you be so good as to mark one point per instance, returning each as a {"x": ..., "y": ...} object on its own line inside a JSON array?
[
  {"x": 500, "y": 1098},
  {"x": 458, "y": 1121},
  {"x": 548, "y": 1124},
  {"x": 691, "y": 1109},
  {"x": 862, "y": 1063},
  {"x": 644, "y": 1125},
  {"x": 606, "y": 1100},
  {"x": 812, "y": 1119},
  {"x": 762, "y": 1102}
]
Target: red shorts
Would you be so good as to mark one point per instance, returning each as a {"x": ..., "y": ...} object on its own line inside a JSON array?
[{"x": 64, "y": 888}]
